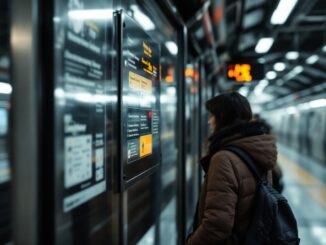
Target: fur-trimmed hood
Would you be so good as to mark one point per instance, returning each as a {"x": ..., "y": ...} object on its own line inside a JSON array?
[{"x": 253, "y": 137}]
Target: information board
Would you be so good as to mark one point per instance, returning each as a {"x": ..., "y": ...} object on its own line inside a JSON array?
[
  {"x": 80, "y": 105},
  {"x": 140, "y": 99},
  {"x": 244, "y": 72}
]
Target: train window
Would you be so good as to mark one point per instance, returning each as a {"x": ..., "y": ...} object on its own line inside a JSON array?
[{"x": 5, "y": 95}]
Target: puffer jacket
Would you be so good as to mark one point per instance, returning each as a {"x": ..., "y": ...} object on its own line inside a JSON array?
[{"x": 226, "y": 201}]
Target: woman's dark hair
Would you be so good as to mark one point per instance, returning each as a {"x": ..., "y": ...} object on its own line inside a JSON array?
[{"x": 229, "y": 109}]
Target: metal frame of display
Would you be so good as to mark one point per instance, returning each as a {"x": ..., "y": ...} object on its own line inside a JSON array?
[
  {"x": 24, "y": 123},
  {"x": 122, "y": 182}
]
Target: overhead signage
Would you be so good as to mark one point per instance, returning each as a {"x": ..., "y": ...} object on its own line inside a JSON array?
[{"x": 244, "y": 72}]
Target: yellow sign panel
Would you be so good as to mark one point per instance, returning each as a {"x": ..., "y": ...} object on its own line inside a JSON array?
[
  {"x": 147, "y": 50},
  {"x": 139, "y": 82},
  {"x": 146, "y": 145}
]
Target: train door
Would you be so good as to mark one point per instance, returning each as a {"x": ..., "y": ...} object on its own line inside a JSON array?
[
  {"x": 5, "y": 109},
  {"x": 310, "y": 133},
  {"x": 303, "y": 131},
  {"x": 318, "y": 134},
  {"x": 295, "y": 143}
]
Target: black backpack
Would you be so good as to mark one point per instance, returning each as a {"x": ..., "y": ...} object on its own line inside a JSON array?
[{"x": 273, "y": 221}]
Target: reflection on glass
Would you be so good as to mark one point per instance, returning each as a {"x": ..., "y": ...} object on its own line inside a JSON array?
[
  {"x": 5, "y": 95},
  {"x": 172, "y": 47},
  {"x": 142, "y": 19},
  {"x": 91, "y": 14},
  {"x": 81, "y": 46}
]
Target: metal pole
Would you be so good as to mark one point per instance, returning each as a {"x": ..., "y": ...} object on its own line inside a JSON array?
[
  {"x": 182, "y": 62},
  {"x": 24, "y": 123}
]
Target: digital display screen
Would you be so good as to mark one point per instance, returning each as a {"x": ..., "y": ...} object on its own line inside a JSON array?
[
  {"x": 244, "y": 72},
  {"x": 140, "y": 99}
]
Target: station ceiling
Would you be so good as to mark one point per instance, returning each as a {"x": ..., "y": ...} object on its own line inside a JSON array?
[{"x": 221, "y": 31}]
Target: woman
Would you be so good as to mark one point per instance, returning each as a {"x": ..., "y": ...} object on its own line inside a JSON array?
[{"x": 227, "y": 197}]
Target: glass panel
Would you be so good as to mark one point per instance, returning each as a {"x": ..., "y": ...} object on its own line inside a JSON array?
[
  {"x": 192, "y": 142},
  {"x": 5, "y": 92},
  {"x": 158, "y": 27},
  {"x": 84, "y": 96}
]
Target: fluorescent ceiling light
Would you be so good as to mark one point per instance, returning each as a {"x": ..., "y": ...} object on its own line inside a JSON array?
[
  {"x": 264, "y": 44},
  {"x": 312, "y": 59},
  {"x": 271, "y": 75},
  {"x": 292, "y": 110},
  {"x": 142, "y": 19},
  {"x": 292, "y": 55},
  {"x": 244, "y": 91},
  {"x": 296, "y": 71},
  {"x": 91, "y": 14},
  {"x": 324, "y": 48},
  {"x": 5, "y": 88},
  {"x": 317, "y": 103},
  {"x": 283, "y": 11},
  {"x": 263, "y": 83},
  {"x": 172, "y": 47},
  {"x": 261, "y": 86},
  {"x": 279, "y": 66}
]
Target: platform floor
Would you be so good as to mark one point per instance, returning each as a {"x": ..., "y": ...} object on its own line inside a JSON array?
[{"x": 305, "y": 189}]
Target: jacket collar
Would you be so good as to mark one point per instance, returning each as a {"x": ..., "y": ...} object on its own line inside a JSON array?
[{"x": 231, "y": 134}]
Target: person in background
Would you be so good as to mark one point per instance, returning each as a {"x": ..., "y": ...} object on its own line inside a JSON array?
[{"x": 226, "y": 201}]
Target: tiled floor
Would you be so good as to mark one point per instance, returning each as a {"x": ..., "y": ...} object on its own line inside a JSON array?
[{"x": 305, "y": 189}]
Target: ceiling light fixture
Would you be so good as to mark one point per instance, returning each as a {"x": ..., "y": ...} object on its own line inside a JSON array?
[
  {"x": 244, "y": 91},
  {"x": 271, "y": 75},
  {"x": 292, "y": 55},
  {"x": 282, "y": 11},
  {"x": 317, "y": 103},
  {"x": 261, "y": 86},
  {"x": 5, "y": 88},
  {"x": 324, "y": 48},
  {"x": 172, "y": 47},
  {"x": 312, "y": 59},
  {"x": 264, "y": 44},
  {"x": 296, "y": 71},
  {"x": 279, "y": 66}
]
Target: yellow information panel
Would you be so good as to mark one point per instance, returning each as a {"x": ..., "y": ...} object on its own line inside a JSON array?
[
  {"x": 139, "y": 82},
  {"x": 146, "y": 145}
]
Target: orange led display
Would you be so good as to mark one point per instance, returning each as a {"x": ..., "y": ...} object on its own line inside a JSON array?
[
  {"x": 169, "y": 77},
  {"x": 189, "y": 72},
  {"x": 240, "y": 72}
]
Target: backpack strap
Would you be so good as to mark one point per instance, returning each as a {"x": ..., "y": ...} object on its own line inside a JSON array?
[{"x": 247, "y": 159}]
